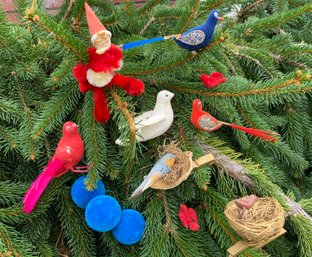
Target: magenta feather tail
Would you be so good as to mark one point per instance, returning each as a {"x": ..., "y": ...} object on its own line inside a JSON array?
[{"x": 36, "y": 189}]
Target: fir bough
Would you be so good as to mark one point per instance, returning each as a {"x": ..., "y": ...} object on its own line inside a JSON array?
[{"x": 262, "y": 47}]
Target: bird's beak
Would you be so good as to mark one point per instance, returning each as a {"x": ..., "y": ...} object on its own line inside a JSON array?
[
  {"x": 220, "y": 18},
  {"x": 172, "y": 95}
]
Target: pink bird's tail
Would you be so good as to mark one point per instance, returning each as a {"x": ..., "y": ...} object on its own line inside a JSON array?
[{"x": 36, "y": 189}]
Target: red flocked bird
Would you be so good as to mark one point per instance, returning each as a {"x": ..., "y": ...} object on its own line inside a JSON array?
[
  {"x": 68, "y": 153},
  {"x": 206, "y": 122},
  {"x": 213, "y": 80},
  {"x": 104, "y": 59},
  {"x": 188, "y": 218}
]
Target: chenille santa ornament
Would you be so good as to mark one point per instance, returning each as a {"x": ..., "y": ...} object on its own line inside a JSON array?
[{"x": 99, "y": 73}]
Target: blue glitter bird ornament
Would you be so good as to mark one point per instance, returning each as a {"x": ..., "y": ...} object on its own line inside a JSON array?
[{"x": 200, "y": 36}]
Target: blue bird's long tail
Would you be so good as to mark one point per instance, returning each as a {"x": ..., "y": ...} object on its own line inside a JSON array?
[
  {"x": 144, "y": 185},
  {"x": 134, "y": 44}
]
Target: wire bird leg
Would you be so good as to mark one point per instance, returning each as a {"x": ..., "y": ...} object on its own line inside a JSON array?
[{"x": 81, "y": 169}]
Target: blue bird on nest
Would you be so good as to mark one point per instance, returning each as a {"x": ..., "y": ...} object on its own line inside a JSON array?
[{"x": 199, "y": 36}]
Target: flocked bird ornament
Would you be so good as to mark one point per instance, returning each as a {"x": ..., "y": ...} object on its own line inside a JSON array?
[
  {"x": 152, "y": 124},
  {"x": 188, "y": 218},
  {"x": 214, "y": 79},
  {"x": 99, "y": 73},
  {"x": 200, "y": 36},
  {"x": 68, "y": 153},
  {"x": 204, "y": 121},
  {"x": 171, "y": 169}
]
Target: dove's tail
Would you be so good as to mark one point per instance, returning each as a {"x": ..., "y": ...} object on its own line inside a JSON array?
[
  {"x": 118, "y": 142},
  {"x": 144, "y": 185}
]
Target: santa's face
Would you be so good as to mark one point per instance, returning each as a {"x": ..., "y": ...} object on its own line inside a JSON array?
[{"x": 101, "y": 41}]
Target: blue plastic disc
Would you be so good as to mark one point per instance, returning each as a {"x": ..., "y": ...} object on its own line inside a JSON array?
[
  {"x": 103, "y": 213},
  {"x": 130, "y": 228},
  {"x": 81, "y": 196}
]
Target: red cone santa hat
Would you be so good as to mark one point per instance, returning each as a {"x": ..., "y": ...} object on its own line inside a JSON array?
[{"x": 95, "y": 25}]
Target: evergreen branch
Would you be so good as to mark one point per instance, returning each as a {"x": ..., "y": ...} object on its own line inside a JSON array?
[
  {"x": 190, "y": 17},
  {"x": 302, "y": 228},
  {"x": 55, "y": 110},
  {"x": 57, "y": 37},
  {"x": 68, "y": 9},
  {"x": 249, "y": 7},
  {"x": 211, "y": 6},
  {"x": 94, "y": 138},
  {"x": 79, "y": 236},
  {"x": 14, "y": 244},
  {"x": 256, "y": 24},
  {"x": 170, "y": 227},
  {"x": 33, "y": 7},
  {"x": 123, "y": 107},
  {"x": 13, "y": 215},
  {"x": 281, "y": 58},
  {"x": 10, "y": 192},
  {"x": 268, "y": 89},
  {"x": 29, "y": 126},
  {"x": 81, "y": 11},
  {"x": 9, "y": 111},
  {"x": 178, "y": 63},
  {"x": 149, "y": 23},
  {"x": 221, "y": 224},
  {"x": 149, "y": 5},
  {"x": 4, "y": 133},
  {"x": 240, "y": 55},
  {"x": 59, "y": 33}
]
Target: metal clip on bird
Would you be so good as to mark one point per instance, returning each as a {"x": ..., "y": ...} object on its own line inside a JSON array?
[
  {"x": 172, "y": 169},
  {"x": 206, "y": 122}
]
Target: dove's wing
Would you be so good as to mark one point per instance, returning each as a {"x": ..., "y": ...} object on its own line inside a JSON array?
[
  {"x": 150, "y": 121},
  {"x": 142, "y": 116},
  {"x": 139, "y": 118}
]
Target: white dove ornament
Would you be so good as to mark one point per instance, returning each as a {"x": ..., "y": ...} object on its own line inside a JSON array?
[{"x": 152, "y": 124}]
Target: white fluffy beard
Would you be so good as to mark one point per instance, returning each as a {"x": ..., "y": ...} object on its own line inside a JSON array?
[{"x": 99, "y": 79}]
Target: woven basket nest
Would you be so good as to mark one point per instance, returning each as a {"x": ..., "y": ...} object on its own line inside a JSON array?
[
  {"x": 181, "y": 169},
  {"x": 258, "y": 224}
]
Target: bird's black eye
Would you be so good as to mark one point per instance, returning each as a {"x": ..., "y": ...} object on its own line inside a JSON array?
[
  {"x": 68, "y": 127},
  {"x": 167, "y": 95}
]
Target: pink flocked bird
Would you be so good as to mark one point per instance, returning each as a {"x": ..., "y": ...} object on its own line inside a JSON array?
[{"x": 68, "y": 153}]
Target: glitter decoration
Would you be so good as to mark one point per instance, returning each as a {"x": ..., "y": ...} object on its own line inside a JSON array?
[
  {"x": 193, "y": 38},
  {"x": 207, "y": 123}
]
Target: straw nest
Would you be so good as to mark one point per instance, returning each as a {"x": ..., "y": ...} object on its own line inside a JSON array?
[
  {"x": 258, "y": 224},
  {"x": 181, "y": 169}
]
